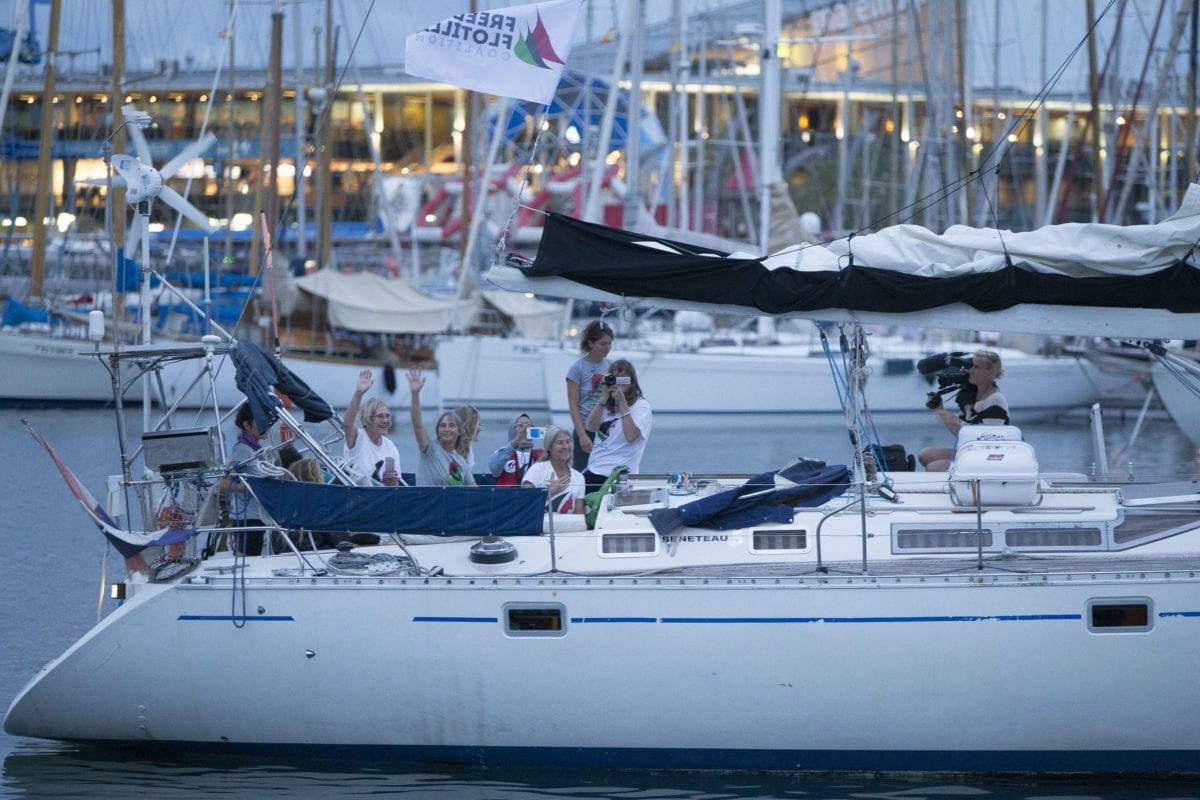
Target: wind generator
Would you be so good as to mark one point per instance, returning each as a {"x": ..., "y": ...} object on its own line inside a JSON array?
[{"x": 143, "y": 184}]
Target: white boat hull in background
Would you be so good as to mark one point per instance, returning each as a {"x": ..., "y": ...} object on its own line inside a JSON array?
[
  {"x": 801, "y": 386},
  {"x": 490, "y": 372},
  {"x": 55, "y": 370},
  {"x": 38, "y": 368},
  {"x": 1180, "y": 402},
  {"x": 499, "y": 374}
]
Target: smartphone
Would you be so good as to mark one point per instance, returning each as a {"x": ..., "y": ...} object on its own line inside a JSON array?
[
  {"x": 389, "y": 465},
  {"x": 535, "y": 433}
]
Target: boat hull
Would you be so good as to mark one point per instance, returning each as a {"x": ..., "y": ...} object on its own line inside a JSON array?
[
  {"x": 837, "y": 673},
  {"x": 700, "y": 384},
  {"x": 1179, "y": 401},
  {"x": 49, "y": 369}
]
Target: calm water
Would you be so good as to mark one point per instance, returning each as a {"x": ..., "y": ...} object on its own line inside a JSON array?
[{"x": 50, "y": 579}]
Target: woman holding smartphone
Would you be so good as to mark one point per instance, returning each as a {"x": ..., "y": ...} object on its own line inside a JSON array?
[
  {"x": 374, "y": 456},
  {"x": 619, "y": 424}
]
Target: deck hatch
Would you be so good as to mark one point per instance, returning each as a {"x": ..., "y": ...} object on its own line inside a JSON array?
[
  {"x": 534, "y": 619},
  {"x": 1120, "y": 615}
]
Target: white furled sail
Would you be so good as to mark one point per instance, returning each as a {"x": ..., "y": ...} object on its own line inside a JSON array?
[{"x": 1136, "y": 281}]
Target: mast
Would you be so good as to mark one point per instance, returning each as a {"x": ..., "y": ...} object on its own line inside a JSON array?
[
  {"x": 701, "y": 129},
  {"x": 685, "y": 68},
  {"x": 275, "y": 113},
  {"x": 769, "y": 102},
  {"x": 10, "y": 71},
  {"x": 231, "y": 94},
  {"x": 266, "y": 194},
  {"x": 383, "y": 208},
  {"x": 1040, "y": 144},
  {"x": 591, "y": 207},
  {"x": 842, "y": 132},
  {"x": 896, "y": 143},
  {"x": 115, "y": 98},
  {"x": 298, "y": 159},
  {"x": 38, "y": 272},
  {"x": 324, "y": 175},
  {"x": 1190, "y": 119},
  {"x": 1094, "y": 84},
  {"x": 964, "y": 143},
  {"x": 633, "y": 144},
  {"x": 467, "y": 164},
  {"x": 673, "y": 111}
]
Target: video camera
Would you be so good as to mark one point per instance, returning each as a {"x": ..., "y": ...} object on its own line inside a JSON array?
[{"x": 952, "y": 373}]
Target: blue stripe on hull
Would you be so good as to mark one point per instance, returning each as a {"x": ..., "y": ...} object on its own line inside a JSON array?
[
  {"x": 234, "y": 618},
  {"x": 990, "y": 761}
]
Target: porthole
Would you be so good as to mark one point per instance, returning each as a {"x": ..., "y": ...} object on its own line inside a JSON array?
[
  {"x": 535, "y": 619},
  {"x": 1120, "y": 615}
]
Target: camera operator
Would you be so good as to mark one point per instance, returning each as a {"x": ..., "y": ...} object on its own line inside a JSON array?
[
  {"x": 620, "y": 423},
  {"x": 987, "y": 407}
]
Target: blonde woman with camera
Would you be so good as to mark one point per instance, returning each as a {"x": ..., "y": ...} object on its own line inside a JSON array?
[
  {"x": 990, "y": 408},
  {"x": 620, "y": 425}
]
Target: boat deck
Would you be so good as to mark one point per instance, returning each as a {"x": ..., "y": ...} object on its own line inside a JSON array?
[{"x": 1016, "y": 564}]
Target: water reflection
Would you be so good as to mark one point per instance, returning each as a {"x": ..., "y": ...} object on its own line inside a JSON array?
[{"x": 38, "y": 770}]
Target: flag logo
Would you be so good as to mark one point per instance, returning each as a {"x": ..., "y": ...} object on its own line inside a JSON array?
[
  {"x": 518, "y": 51},
  {"x": 534, "y": 47}
]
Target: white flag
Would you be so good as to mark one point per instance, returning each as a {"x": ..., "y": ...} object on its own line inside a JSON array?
[{"x": 517, "y": 51}]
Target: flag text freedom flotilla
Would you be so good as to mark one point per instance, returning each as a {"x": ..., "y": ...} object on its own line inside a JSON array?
[{"x": 518, "y": 51}]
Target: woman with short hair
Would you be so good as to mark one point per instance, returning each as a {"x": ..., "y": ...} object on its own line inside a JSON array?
[{"x": 373, "y": 455}]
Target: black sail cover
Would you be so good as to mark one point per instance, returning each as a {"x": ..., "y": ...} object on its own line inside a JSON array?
[{"x": 637, "y": 265}]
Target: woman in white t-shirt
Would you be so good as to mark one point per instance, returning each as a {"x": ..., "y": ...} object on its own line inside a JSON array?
[
  {"x": 373, "y": 455},
  {"x": 620, "y": 423},
  {"x": 553, "y": 471}
]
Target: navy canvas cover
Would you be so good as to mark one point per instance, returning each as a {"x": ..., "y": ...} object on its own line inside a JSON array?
[
  {"x": 762, "y": 499},
  {"x": 426, "y": 510},
  {"x": 257, "y": 371}
]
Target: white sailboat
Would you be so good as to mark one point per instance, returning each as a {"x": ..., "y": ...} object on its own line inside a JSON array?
[{"x": 994, "y": 618}]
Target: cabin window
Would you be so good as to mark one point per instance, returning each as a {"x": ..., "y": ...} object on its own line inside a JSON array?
[
  {"x": 628, "y": 544},
  {"x": 774, "y": 541},
  {"x": 531, "y": 619},
  {"x": 1123, "y": 615},
  {"x": 1053, "y": 537},
  {"x": 1138, "y": 524},
  {"x": 941, "y": 538}
]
